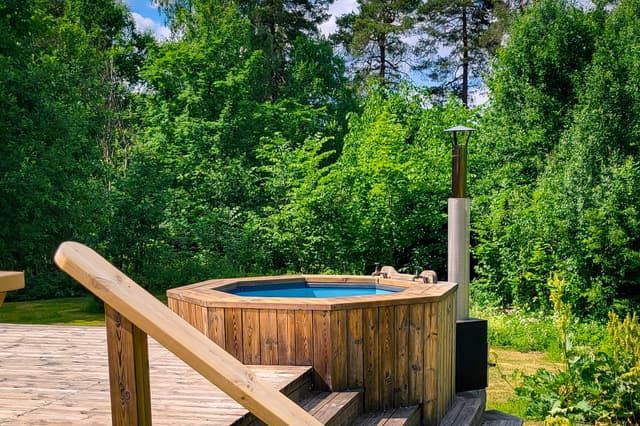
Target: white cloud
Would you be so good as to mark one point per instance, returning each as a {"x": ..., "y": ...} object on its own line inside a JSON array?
[
  {"x": 479, "y": 97},
  {"x": 144, "y": 24},
  {"x": 337, "y": 9},
  {"x": 342, "y": 7}
]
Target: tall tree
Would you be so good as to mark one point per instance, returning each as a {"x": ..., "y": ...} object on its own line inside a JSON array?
[
  {"x": 376, "y": 37},
  {"x": 51, "y": 109},
  {"x": 458, "y": 42},
  {"x": 593, "y": 180},
  {"x": 535, "y": 86},
  {"x": 111, "y": 30},
  {"x": 209, "y": 114},
  {"x": 275, "y": 26}
]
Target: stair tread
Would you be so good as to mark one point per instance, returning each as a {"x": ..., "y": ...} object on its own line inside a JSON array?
[
  {"x": 404, "y": 416},
  {"x": 297, "y": 389},
  {"x": 467, "y": 410},
  {"x": 333, "y": 408}
]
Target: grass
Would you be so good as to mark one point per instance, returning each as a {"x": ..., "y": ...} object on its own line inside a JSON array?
[
  {"x": 519, "y": 330},
  {"x": 500, "y": 392},
  {"x": 69, "y": 311}
]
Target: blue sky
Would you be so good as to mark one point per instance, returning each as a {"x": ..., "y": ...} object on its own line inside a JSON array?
[
  {"x": 144, "y": 8},
  {"x": 147, "y": 16}
]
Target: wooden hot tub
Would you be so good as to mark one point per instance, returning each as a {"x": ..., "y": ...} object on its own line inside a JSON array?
[{"x": 399, "y": 348}]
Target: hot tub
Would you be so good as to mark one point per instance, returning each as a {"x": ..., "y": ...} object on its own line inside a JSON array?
[
  {"x": 398, "y": 347},
  {"x": 313, "y": 290}
]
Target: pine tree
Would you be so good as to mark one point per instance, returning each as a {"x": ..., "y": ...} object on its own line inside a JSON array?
[
  {"x": 458, "y": 39},
  {"x": 376, "y": 37}
]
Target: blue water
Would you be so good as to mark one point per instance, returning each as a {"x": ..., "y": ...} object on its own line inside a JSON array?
[{"x": 305, "y": 290}]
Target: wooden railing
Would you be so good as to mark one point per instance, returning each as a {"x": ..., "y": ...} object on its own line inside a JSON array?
[{"x": 131, "y": 315}]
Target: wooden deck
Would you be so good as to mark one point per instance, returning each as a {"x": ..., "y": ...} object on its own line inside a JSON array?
[{"x": 58, "y": 375}]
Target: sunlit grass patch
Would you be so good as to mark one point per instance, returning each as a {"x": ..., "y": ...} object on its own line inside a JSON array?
[
  {"x": 70, "y": 311},
  {"x": 502, "y": 381}
]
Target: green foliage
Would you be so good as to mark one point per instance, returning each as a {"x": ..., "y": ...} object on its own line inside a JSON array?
[
  {"x": 292, "y": 236},
  {"x": 597, "y": 384},
  {"x": 226, "y": 149},
  {"x": 382, "y": 184},
  {"x": 240, "y": 147},
  {"x": 533, "y": 88},
  {"x": 369, "y": 206},
  {"x": 199, "y": 128},
  {"x": 136, "y": 211},
  {"x": 560, "y": 160},
  {"x": 596, "y": 165},
  {"x": 276, "y": 27},
  {"x": 51, "y": 109},
  {"x": 519, "y": 330},
  {"x": 253, "y": 183}
]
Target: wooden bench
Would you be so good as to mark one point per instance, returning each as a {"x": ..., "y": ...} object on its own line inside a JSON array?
[{"x": 10, "y": 280}]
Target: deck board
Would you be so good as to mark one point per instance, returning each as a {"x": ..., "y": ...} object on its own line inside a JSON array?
[{"x": 58, "y": 375}]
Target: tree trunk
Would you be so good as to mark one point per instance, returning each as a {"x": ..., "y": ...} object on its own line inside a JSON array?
[
  {"x": 465, "y": 58},
  {"x": 383, "y": 58}
]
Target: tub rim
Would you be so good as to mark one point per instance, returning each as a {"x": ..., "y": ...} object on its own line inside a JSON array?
[{"x": 211, "y": 294}]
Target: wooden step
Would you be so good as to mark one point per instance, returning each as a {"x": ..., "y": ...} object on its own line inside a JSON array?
[
  {"x": 405, "y": 416},
  {"x": 297, "y": 390},
  {"x": 330, "y": 408},
  {"x": 334, "y": 408},
  {"x": 467, "y": 410}
]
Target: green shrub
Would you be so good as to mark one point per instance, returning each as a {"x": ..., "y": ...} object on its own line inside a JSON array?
[
  {"x": 597, "y": 384},
  {"x": 518, "y": 329}
]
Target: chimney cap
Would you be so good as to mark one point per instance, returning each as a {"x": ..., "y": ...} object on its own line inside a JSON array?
[{"x": 460, "y": 129}]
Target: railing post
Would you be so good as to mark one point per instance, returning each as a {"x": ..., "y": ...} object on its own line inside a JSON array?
[{"x": 128, "y": 371}]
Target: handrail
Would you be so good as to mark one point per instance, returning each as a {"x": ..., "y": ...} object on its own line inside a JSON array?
[
  {"x": 151, "y": 316},
  {"x": 10, "y": 280}
]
